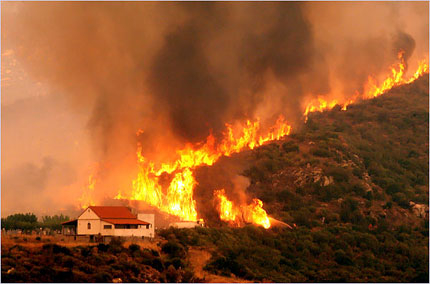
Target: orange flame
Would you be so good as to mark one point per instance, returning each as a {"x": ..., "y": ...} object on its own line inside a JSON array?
[
  {"x": 320, "y": 105},
  {"x": 255, "y": 214},
  {"x": 396, "y": 78},
  {"x": 371, "y": 88},
  {"x": 237, "y": 216},
  {"x": 179, "y": 199},
  {"x": 87, "y": 196},
  {"x": 180, "y": 195},
  {"x": 226, "y": 210}
]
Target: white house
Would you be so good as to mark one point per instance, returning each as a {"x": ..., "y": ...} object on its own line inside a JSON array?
[{"x": 109, "y": 221}]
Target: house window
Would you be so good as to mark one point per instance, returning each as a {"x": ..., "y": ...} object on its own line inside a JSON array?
[
  {"x": 125, "y": 226},
  {"x": 89, "y": 226},
  {"x": 107, "y": 226}
]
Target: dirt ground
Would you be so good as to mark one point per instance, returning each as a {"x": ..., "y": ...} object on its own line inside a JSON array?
[
  {"x": 198, "y": 258},
  {"x": 67, "y": 241}
]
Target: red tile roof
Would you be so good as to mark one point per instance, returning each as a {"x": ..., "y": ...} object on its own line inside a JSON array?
[
  {"x": 126, "y": 221},
  {"x": 113, "y": 212},
  {"x": 71, "y": 222}
]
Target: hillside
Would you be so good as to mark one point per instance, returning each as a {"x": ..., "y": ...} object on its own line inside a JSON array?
[
  {"x": 352, "y": 184},
  {"x": 364, "y": 166}
]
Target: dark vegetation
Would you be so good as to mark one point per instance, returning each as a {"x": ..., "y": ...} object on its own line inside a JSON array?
[
  {"x": 335, "y": 253},
  {"x": 28, "y": 222},
  {"x": 96, "y": 263}
]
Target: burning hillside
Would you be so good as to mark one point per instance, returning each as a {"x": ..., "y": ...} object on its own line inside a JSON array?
[
  {"x": 171, "y": 88},
  {"x": 179, "y": 201}
]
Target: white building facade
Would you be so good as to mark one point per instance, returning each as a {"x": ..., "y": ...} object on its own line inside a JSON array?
[
  {"x": 111, "y": 221},
  {"x": 149, "y": 218},
  {"x": 187, "y": 224}
]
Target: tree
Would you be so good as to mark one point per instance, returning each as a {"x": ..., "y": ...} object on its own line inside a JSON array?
[
  {"x": 21, "y": 221},
  {"x": 29, "y": 222},
  {"x": 53, "y": 222}
]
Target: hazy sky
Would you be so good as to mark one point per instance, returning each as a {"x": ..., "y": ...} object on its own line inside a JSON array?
[{"x": 45, "y": 154}]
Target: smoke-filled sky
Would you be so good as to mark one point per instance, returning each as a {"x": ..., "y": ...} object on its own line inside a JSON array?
[{"x": 80, "y": 79}]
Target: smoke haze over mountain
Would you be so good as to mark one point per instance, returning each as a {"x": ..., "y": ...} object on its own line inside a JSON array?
[{"x": 178, "y": 71}]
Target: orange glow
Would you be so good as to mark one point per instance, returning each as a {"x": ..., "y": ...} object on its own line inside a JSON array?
[
  {"x": 225, "y": 208},
  {"x": 372, "y": 89},
  {"x": 180, "y": 196},
  {"x": 87, "y": 196},
  {"x": 250, "y": 138},
  {"x": 239, "y": 215},
  {"x": 395, "y": 79},
  {"x": 255, "y": 214},
  {"x": 423, "y": 68},
  {"x": 177, "y": 199},
  {"x": 319, "y": 104}
]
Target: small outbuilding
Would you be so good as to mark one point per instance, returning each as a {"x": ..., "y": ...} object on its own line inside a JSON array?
[{"x": 188, "y": 224}]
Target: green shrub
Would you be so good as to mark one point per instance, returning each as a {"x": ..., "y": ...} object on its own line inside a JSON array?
[
  {"x": 341, "y": 258},
  {"x": 157, "y": 264},
  {"x": 290, "y": 146},
  {"x": 86, "y": 251},
  {"x": 56, "y": 249},
  {"x": 103, "y": 277},
  {"x": 102, "y": 247},
  {"x": 339, "y": 174},
  {"x": 172, "y": 275},
  {"x": 321, "y": 152},
  {"x": 116, "y": 245},
  {"x": 174, "y": 249},
  {"x": 134, "y": 247},
  {"x": 401, "y": 199}
]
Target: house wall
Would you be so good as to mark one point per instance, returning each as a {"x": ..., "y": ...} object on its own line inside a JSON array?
[
  {"x": 98, "y": 226},
  {"x": 88, "y": 216},
  {"x": 150, "y": 218},
  {"x": 83, "y": 227},
  {"x": 139, "y": 232},
  {"x": 107, "y": 232}
]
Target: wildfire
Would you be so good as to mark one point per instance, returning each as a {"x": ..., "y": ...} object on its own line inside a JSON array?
[
  {"x": 225, "y": 208},
  {"x": 178, "y": 200},
  {"x": 180, "y": 195},
  {"x": 87, "y": 196},
  {"x": 237, "y": 215},
  {"x": 319, "y": 104},
  {"x": 372, "y": 89}
]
